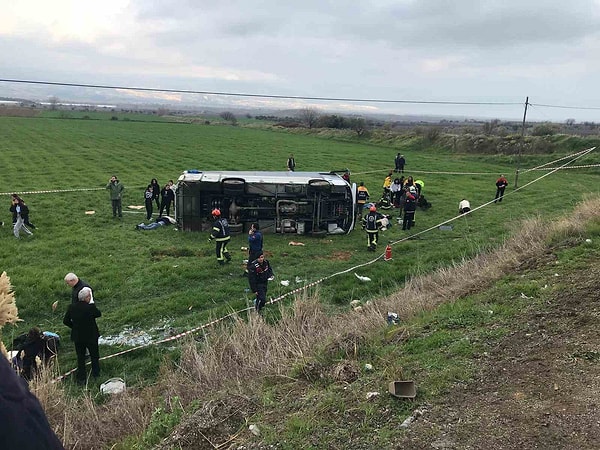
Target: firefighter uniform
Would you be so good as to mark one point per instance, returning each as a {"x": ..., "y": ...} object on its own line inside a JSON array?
[
  {"x": 362, "y": 196},
  {"x": 372, "y": 222},
  {"x": 220, "y": 233}
]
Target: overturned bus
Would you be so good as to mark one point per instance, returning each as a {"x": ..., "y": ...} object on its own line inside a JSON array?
[{"x": 280, "y": 202}]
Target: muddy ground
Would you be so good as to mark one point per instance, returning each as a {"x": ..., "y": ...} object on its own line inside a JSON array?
[{"x": 538, "y": 389}]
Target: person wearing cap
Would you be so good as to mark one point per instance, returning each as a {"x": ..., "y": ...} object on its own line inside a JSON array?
[
  {"x": 259, "y": 273},
  {"x": 220, "y": 233},
  {"x": 410, "y": 205},
  {"x": 372, "y": 223},
  {"x": 464, "y": 206}
]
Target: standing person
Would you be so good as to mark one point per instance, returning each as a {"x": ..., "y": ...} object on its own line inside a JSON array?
[
  {"x": 23, "y": 422},
  {"x": 259, "y": 272},
  {"x": 291, "y": 163},
  {"x": 501, "y": 184},
  {"x": 19, "y": 209},
  {"x": 155, "y": 192},
  {"x": 400, "y": 162},
  {"x": 362, "y": 197},
  {"x": 77, "y": 284},
  {"x": 387, "y": 182},
  {"x": 220, "y": 233},
  {"x": 410, "y": 206},
  {"x": 397, "y": 163},
  {"x": 372, "y": 223},
  {"x": 346, "y": 176},
  {"x": 116, "y": 194},
  {"x": 81, "y": 319},
  {"x": 255, "y": 242},
  {"x": 160, "y": 221},
  {"x": 148, "y": 199},
  {"x": 464, "y": 206},
  {"x": 167, "y": 197},
  {"x": 396, "y": 189}
]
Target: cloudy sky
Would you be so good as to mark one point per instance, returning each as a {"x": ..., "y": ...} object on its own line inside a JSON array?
[{"x": 464, "y": 51}]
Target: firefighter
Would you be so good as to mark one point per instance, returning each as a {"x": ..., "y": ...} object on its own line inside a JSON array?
[
  {"x": 372, "y": 223},
  {"x": 362, "y": 197},
  {"x": 410, "y": 205},
  {"x": 220, "y": 233}
]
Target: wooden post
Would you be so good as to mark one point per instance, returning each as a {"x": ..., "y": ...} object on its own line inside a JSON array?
[{"x": 521, "y": 144}]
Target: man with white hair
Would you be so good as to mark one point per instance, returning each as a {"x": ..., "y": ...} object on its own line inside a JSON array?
[
  {"x": 81, "y": 319},
  {"x": 77, "y": 284}
]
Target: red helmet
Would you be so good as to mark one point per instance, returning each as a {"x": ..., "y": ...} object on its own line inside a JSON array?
[
  {"x": 216, "y": 212},
  {"x": 372, "y": 208}
]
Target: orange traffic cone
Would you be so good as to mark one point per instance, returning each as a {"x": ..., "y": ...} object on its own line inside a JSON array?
[{"x": 388, "y": 253}]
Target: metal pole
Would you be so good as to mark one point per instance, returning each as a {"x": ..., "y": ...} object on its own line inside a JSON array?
[{"x": 521, "y": 144}]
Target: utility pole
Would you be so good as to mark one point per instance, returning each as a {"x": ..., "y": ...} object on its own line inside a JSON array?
[{"x": 521, "y": 144}]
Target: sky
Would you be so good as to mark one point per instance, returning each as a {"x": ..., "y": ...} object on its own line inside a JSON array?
[{"x": 398, "y": 51}]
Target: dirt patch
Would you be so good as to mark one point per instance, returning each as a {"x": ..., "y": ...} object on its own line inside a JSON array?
[
  {"x": 539, "y": 388},
  {"x": 215, "y": 425},
  {"x": 339, "y": 256}
]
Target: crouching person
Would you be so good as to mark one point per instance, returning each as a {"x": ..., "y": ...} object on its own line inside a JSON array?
[
  {"x": 81, "y": 319},
  {"x": 259, "y": 273}
]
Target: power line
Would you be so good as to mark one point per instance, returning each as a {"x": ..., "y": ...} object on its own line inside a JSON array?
[
  {"x": 564, "y": 107},
  {"x": 238, "y": 94}
]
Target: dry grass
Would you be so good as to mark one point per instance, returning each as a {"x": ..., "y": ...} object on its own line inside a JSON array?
[{"x": 234, "y": 356}]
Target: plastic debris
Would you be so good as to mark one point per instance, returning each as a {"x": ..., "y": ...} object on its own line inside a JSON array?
[
  {"x": 54, "y": 305},
  {"x": 296, "y": 243},
  {"x": 254, "y": 430},
  {"x": 361, "y": 278},
  {"x": 299, "y": 280},
  {"x": 372, "y": 395},
  {"x": 113, "y": 386},
  {"x": 393, "y": 318},
  {"x": 524, "y": 296},
  {"x": 285, "y": 282},
  {"x": 89, "y": 213},
  {"x": 368, "y": 366}
]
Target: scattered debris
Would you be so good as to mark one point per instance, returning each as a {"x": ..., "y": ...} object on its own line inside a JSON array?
[
  {"x": 54, "y": 305},
  {"x": 254, "y": 430},
  {"x": 299, "y": 280},
  {"x": 372, "y": 395},
  {"x": 368, "y": 366},
  {"x": 296, "y": 243},
  {"x": 89, "y": 213},
  {"x": 524, "y": 296},
  {"x": 244, "y": 249},
  {"x": 190, "y": 308},
  {"x": 445, "y": 227},
  {"x": 410, "y": 419},
  {"x": 589, "y": 241},
  {"x": 393, "y": 318},
  {"x": 285, "y": 282},
  {"x": 113, "y": 386},
  {"x": 136, "y": 206},
  {"x": 403, "y": 389},
  {"x": 361, "y": 278},
  {"x": 355, "y": 303}
]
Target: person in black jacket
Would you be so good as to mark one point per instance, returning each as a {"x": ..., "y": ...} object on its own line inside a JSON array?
[
  {"x": 259, "y": 273},
  {"x": 168, "y": 197},
  {"x": 77, "y": 284},
  {"x": 20, "y": 213},
  {"x": 372, "y": 223},
  {"x": 33, "y": 346},
  {"x": 155, "y": 192},
  {"x": 23, "y": 422},
  {"x": 81, "y": 319},
  {"x": 410, "y": 206},
  {"x": 148, "y": 197}
]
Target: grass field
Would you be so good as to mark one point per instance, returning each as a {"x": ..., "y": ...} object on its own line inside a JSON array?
[{"x": 168, "y": 281}]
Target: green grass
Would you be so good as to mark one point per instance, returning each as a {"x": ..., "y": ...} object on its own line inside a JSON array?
[{"x": 148, "y": 279}]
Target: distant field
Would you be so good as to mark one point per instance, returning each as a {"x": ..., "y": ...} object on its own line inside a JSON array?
[{"x": 165, "y": 278}]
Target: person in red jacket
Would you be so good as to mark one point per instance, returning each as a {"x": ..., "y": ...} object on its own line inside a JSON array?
[{"x": 501, "y": 184}]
